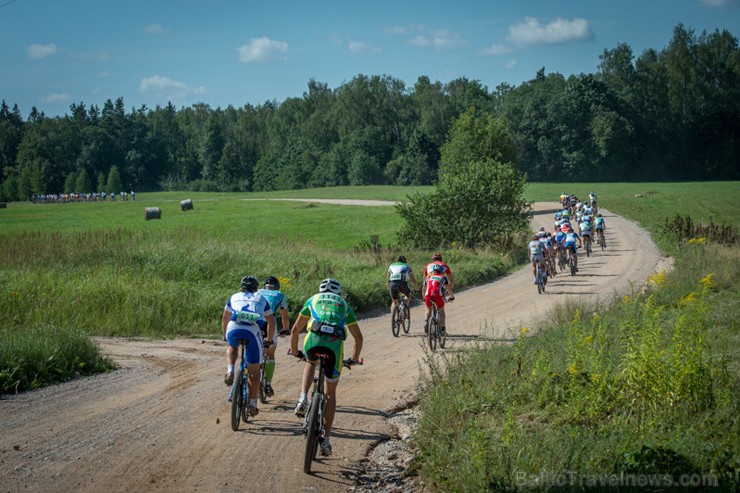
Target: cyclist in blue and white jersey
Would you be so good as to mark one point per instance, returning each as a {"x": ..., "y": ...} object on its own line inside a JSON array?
[
  {"x": 537, "y": 254},
  {"x": 585, "y": 227},
  {"x": 278, "y": 304},
  {"x": 599, "y": 224},
  {"x": 243, "y": 314},
  {"x": 569, "y": 242}
]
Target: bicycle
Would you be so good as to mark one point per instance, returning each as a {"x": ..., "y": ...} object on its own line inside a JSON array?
[
  {"x": 541, "y": 277},
  {"x": 587, "y": 244},
  {"x": 561, "y": 258},
  {"x": 400, "y": 316},
  {"x": 239, "y": 396},
  {"x": 263, "y": 380},
  {"x": 601, "y": 238},
  {"x": 434, "y": 330},
  {"x": 571, "y": 262},
  {"x": 313, "y": 422}
]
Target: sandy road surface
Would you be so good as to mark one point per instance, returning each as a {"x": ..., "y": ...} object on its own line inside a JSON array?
[{"x": 161, "y": 422}]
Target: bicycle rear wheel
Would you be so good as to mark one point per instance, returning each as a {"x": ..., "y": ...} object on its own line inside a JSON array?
[
  {"x": 395, "y": 320},
  {"x": 261, "y": 392},
  {"x": 237, "y": 401},
  {"x": 312, "y": 433},
  {"x": 406, "y": 319},
  {"x": 433, "y": 331},
  {"x": 572, "y": 264}
]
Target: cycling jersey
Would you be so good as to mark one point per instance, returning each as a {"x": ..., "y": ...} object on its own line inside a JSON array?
[
  {"x": 585, "y": 228},
  {"x": 559, "y": 237},
  {"x": 535, "y": 250},
  {"x": 277, "y": 302},
  {"x": 570, "y": 240},
  {"x": 399, "y": 271},
  {"x": 599, "y": 223},
  {"x": 328, "y": 315},
  {"x": 248, "y": 311},
  {"x": 434, "y": 290},
  {"x": 429, "y": 269}
]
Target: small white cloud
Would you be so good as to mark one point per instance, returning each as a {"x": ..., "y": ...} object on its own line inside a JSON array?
[
  {"x": 421, "y": 41},
  {"x": 168, "y": 88},
  {"x": 154, "y": 29},
  {"x": 56, "y": 98},
  {"x": 511, "y": 64},
  {"x": 531, "y": 32},
  {"x": 261, "y": 49},
  {"x": 720, "y": 3},
  {"x": 41, "y": 51},
  {"x": 495, "y": 50},
  {"x": 358, "y": 46},
  {"x": 395, "y": 30}
]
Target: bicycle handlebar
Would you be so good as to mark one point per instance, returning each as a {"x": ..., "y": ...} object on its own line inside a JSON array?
[{"x": 347, "y": 362}]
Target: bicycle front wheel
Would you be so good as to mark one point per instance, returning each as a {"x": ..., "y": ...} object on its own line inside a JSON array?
[
  {"x": 395, "y": 320},
  {"x": 312, "y": 433},
  {"x": 237, "y": 401}
]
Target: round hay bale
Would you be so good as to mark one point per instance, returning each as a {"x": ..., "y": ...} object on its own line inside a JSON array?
[
  {"x": 152, "y": 213},
  {"x": 186, "y": 205}
]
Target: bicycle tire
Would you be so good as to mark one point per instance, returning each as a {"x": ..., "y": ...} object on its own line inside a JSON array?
[
  {"x": 441, "y": 337},
  {"x": 312, "y": 433},
  {"x": 237, "y": 402},
  {"x": 406, "y": 319},
  {"x": 572, "y": 265},
  {"x": 395, "y": 321},
  {"x": 538, "y": 279},
  {"x": 432, "y": 332},
  {"x": 262, "y": 394}
]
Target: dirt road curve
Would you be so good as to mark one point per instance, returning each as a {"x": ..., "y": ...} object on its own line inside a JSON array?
[{"x": 161, "y": 422}]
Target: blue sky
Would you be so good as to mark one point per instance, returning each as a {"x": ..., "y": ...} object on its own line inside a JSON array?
[{"x": 232, "y": 52}]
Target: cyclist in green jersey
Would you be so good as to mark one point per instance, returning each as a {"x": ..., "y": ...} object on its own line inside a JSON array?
[{"x": 329, "y": 317}]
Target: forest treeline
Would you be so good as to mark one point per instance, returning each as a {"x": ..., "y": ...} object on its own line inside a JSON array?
[{"x": 670, "y": 114}]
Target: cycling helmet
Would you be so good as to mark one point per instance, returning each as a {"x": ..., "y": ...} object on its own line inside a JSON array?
[
  {"x": 401, "y": 258},
  {"x": 598, "y": 215},
  {"x": 272, "y": 281},
  {"x": 438, "y": 269},
  {"x": 542, "y": 228},
  {"x": 558, "y": 215},
  {"x": 250, "y": 284},
  {"x": 330, "y": 285},
  {"x": 437, "y": 256}
]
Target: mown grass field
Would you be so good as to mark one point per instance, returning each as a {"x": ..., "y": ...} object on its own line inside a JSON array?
[{"x": 640, "y": 392}]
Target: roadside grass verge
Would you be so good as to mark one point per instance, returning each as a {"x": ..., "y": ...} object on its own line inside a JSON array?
[
  {"x": 43, "y": 354},
  {"x": 648, "y": 387}
]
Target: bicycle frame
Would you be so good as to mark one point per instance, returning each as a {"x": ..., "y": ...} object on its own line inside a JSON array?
[{"x": 239, "y": 395}]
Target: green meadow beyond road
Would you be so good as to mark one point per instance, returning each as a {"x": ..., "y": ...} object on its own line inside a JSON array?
[{"x": 161, "y": 421}]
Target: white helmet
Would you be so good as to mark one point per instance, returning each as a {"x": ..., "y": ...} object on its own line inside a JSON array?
[{"x": 330, "y": 285}]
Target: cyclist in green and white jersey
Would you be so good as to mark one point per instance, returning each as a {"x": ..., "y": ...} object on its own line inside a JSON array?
[{"x": 396, "y": 279}]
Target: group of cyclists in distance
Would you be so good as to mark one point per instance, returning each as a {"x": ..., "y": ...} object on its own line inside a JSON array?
[
  {"x": 250, "y": 314},
  {"x": 547, "y": 249}
]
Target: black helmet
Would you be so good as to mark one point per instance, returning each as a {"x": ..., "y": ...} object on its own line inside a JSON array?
[
  {"x": 401, "y": 258},
  {"x": 250, "y": 284},
  {"x": 330, "y": 285},
  {"x": 272, "y": 281}
]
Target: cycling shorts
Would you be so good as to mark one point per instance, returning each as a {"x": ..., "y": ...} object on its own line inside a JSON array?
[
  {"x": 571, "y": 244},
  {"x": 333, "y": 346},
  {"x": 537, "y": 258},
  {"x": 396, "y": 286},
  {"x": 586, "y": 232},
  {"x": 599, "y": 228},
  {"x": 251, "y": 332},
  {"x": 436, "y": 298}
]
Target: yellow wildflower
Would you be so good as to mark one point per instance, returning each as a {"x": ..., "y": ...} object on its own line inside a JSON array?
[
  {"x": 595, "y": 317},
  {"x": 577, "y": 315},
  {"x": 595, "y": 377},
  {"x": 689, "y": 298},
  {"x": 284, "y": 282},
  {"x": 524, "y": 331},
  {"x": 658, "y": 278},
  {"x": 627, "y": 298},
  {"x": 707, "y": 281},
  {"x": 573, "y": 369},
  {"x": 588, "y": 340}
]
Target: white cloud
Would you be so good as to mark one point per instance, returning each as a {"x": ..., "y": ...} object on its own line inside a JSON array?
[
  {"x": 56, "y": 98},
  {"x": 420, "y": 40},
  {"x": 260, "y": 49},
  {"x": 531, "y": 32},
  {"x": 720, "y": 3},
  {"x": 395, "y": 30},
  {"x": 362, "y": 47},
  {"x": 440, "y": 38},
  {"x": 168, "y": 88},
  {"x": 41, "y": 51},
  {"x": 511, "y": 64},
  {"x": 495, "y": 50},
  {"x": 154, "y": 29}
]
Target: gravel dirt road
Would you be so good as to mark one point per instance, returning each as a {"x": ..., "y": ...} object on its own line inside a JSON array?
[{"x": 161, "y": 421}]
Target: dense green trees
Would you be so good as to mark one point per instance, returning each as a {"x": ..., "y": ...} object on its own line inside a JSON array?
[{"x": 668, "y": 114}]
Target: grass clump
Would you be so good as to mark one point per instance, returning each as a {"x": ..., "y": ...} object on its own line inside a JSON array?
[
  {"x": 44, "y": 354},
  {"x": 646, "y": 389}
]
